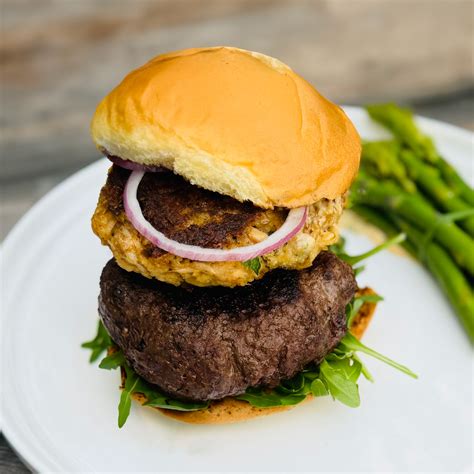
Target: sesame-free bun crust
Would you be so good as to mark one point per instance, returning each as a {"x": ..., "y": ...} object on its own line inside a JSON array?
[
  {"x": 232, "y": 121},
  {"x": 230, "y": 410}
]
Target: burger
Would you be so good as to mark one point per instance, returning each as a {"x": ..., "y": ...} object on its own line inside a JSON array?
[{"x": 229, "y": 176}]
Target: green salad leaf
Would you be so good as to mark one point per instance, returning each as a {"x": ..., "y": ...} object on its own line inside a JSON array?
[
  {"x": 347, "y": 365},
  {"x": 358, "y": 270},
  {"x": 353, "y": 308},
  {"x": 125, "y": 403},
  {"x": 161, "y": 401},
  {"x": 339, "y": 384},
  {"x": 339, "y": 248},
  {"x": 318, "y": 388},
  {"x": 254, "y": 264},
  {"x": 352, "y": 343},
  {"x": 112, "y": 361},
  {"x": 135, "y": 384},
  {"x": 99, "y": 344},
  {"x": 355, "y": 259},
  {"x": 262, "y": 398},
  {"x": 292, "y": 386}
]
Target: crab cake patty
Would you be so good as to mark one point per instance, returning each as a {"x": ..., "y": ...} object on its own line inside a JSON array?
[{"x": 194, "y": 216}]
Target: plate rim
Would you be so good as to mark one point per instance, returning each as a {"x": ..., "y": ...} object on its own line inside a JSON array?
[{"x": 16, "y": 438}]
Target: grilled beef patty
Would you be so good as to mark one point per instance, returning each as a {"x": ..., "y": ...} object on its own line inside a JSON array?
[{"x": 208, "y": 343}]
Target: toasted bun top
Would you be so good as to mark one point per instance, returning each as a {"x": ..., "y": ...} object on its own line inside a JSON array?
[{"x": 232, "y": 121}]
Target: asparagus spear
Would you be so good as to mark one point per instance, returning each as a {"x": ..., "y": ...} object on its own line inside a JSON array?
[
  {"x": 430, "y": 182},
  {"x": 387, "y": 159},
  {"x": 440, "y": 264},
  {"x": 449, "y": 277},
  {"x": 390, "y": 197},
  {"x": 400, "y": 122},
  {"x": 381, "y": 159},
  {"x": 456, "y": 182}
]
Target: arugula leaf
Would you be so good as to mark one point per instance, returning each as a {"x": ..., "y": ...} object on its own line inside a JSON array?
[
  {"x": 254, "y": 264},
  {"x": 135, "y": 384},
  {"x": 157, "y": 399},
  {"x": 99, "y": 344},
  {"x": 292, "y": 386},
  {"x": 178, "y": 405},
  {"x": 358, "y": 270},
  {"x": 318, "y": 389},
  {"x": 353, "y": 260},
  {"x": 348, "y": 367},
  {"x": 353, "y": 373},
  {"x": 352, "y": 343},
  {"x": 339, "y": 250},
  {"x": 267, "y": 399},
  {"x": 340, "y": 387},
  {"x": 124, "y": 407},
  {"x": 339, "y": 247},
  {"x": 355, "y": 305},
  {"x": 113, "y": 361},
  {"x": 125, "y": 403},
  {"x": 364, "y": 370},
  {"x": 310, "y": 375}
]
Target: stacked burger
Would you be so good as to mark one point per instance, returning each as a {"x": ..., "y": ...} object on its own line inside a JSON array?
[{"x": 229, "y": 177}]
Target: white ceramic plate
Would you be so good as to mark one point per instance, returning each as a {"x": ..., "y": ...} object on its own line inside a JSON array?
[{"x": 60, "y": 413}]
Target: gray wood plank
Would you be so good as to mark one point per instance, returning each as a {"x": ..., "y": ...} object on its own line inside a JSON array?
[{"x": 60, "y": 58}]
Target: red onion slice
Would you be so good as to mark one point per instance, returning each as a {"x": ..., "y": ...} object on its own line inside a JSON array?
[
  {"x": 294, "y": 222},
  {"x": 131, "y": 165}
]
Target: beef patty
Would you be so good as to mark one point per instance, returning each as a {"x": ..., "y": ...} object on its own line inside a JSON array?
[
  {"x": 208, "y": 343},
  {"x": 194, "y": 216}
]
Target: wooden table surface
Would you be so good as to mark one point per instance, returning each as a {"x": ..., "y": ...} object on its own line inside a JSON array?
[{"x": 59, "y": 57}]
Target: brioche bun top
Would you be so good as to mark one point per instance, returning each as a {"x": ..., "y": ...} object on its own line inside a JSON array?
[{"x": 232, "y": 121}]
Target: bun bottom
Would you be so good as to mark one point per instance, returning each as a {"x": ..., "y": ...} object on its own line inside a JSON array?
[{"x": 230, "y": 410}]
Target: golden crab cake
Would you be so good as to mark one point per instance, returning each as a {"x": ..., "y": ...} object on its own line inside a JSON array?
[{"x": 194, "y": 216}]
